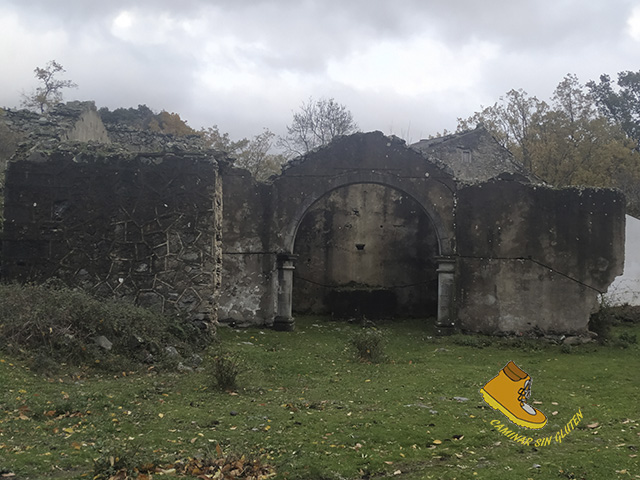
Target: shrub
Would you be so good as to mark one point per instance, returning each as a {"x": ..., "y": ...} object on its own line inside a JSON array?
[
  {"x": 225, "y": 369},
  {"x": 601, "y": 321},
  {"x": 53, "y": 324},
  {"x": 625, "y": 340},
  {"x": 369, "y": 345},
  {"x": 630, "y": 338}
]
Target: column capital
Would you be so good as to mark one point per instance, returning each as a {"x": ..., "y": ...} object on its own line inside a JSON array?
[
  {"x": 446, "y": 264},
  {"x": 286, "y": 260}
]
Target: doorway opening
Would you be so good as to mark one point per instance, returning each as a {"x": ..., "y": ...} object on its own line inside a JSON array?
[{"x": 366, "y": 250}]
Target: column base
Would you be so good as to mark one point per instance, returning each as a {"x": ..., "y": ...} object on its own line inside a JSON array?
[
  {"x": 283, "y": 324},
  {"x": 445, "y": 330}
]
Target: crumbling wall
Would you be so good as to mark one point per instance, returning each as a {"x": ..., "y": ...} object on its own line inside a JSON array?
[
  {"x": 71, "y": 121},
  {"x": 261, "y": 220},
  {"x": 248, "y": 258},
  {"x": 534, "y": 259},
  {"x": 183, "y": 230},
  {"x": 143, "y": 227},
  {"x": 136, "y": 140}
]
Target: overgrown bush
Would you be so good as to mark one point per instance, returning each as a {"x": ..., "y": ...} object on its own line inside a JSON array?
[
  {"x": 630, "y": 338},
  {"x": 625, "y": 340},
  {"x": 608, "y": 316},
  {"x": 53, "y": 325},
  {"x": 225, "y": 368},
  {"x": 602, "y": 320},
  {"x": 369, "y": 345}
]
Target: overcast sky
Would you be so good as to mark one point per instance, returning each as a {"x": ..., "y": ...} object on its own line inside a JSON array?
[{"x": 407, "y": 67}]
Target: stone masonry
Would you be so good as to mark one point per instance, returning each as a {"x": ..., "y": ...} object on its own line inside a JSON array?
[
  {"x": 144, "y": 227},
  {"x": 449, "y": 228}
]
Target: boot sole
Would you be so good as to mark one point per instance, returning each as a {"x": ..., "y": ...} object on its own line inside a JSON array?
[{"x": 493, "y": 403}]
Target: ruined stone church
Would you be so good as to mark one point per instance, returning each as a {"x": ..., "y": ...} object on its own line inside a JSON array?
[{"x": 448, "y": 228}]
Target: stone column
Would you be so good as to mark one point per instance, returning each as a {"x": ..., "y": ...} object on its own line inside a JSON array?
[
  {"x": 284, "y": 321},
  {"x": 445, "y": 322}
]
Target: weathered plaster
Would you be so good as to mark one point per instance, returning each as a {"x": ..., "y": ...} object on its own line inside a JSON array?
[{"x": 181, "y": 228}]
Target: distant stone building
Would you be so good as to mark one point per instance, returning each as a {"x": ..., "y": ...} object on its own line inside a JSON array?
[
  {"x": 449, "y": 228},
  {"x": 473, "y": 156}
]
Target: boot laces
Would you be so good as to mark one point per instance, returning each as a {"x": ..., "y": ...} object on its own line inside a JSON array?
[
  {"x": 523, "y": 395},
  {"x": 525, "y": 392}
]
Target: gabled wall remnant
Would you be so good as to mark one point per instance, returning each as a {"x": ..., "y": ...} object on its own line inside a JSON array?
[
  {"x": 72, "y": 121},
  {"x": 263, "y": 221}
]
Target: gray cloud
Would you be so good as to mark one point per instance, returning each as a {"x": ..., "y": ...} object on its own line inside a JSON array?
[{"x": 410, "y": 66}]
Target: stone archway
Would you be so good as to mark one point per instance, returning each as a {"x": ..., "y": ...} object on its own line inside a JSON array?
[
  {"x": 366, "y": 159},
  {"x": 366, "y": 250}
]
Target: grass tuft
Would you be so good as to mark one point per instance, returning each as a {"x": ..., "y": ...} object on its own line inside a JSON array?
[
  {"x": 225, "y": 368},
  {"x": 369, "y": 345}
]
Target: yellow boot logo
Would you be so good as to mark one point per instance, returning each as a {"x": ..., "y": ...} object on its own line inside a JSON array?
[{"x": 508, "y": 393}]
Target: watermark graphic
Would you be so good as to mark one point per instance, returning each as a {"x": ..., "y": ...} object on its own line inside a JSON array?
[
  {"x": 542, "y": 441},
  {"x": 508, "y": 392}
]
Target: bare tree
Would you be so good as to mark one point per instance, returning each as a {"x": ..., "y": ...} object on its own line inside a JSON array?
[
  {"x": 316, "y": 124},
  {"x": 49, "y": 92},
  {"x": 250, "y": 154}
]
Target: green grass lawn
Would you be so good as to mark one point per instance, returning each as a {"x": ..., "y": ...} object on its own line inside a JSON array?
[{"x": 307, "y": 406}]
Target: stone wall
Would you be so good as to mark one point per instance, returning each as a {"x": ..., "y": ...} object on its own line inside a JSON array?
[
  {"x": 365, "y": 219},
  {"x": 262, "y": 223},
  {"x": 248, "y": 258},
  {"x": 509, "y": 256},
  {"x": 533, "y": 258},
  {"x": 135, "y": 140},
  {"x": 143, "y": 227}
]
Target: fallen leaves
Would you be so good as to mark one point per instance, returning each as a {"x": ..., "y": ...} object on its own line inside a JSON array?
[
  {"x": 225, "y": 468},
  {"x": 230, "y": 467}
]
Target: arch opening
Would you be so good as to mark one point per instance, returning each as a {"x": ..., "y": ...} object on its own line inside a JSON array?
[{"x": 366, "y": 250}]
